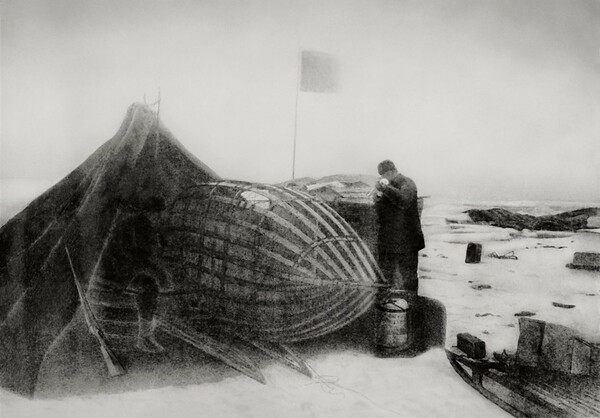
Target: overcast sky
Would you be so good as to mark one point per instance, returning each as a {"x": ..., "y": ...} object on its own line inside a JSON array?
[{"x": 472, "y": 99}]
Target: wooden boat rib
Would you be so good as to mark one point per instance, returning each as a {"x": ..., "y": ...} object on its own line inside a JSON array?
[
  {"x": 276, "y": 317},
  {"x": 361, "y": 250},
  {"x": 339, "y": 320},
  {"x": 244, "y": 250},
  {"x": 258, "y": 230},
  {"x": 279, "y": 330},
  {"x": 328, "y": 219},
  {"x": 364, "y": 253},
  {"x": 240, "y": 255},
  {"x": 294, "y": 197},
  {"x": 329, "y": 230}
]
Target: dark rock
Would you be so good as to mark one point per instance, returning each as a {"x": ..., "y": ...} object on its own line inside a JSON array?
[
  {"x": 563, "y": 305},
  {"x": 586, "y": 261},
  {"x": 566, "y": 221},
  {"x": 525, "y": 313}
]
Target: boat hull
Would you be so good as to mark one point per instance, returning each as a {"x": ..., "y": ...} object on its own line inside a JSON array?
[{"x": 259, "y": 261}]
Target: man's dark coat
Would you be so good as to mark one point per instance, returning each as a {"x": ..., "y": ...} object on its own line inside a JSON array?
[{"x": 399, "y": 221}]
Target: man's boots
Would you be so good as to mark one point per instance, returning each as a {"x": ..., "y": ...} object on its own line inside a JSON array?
[{"x": 146, "y": 340}]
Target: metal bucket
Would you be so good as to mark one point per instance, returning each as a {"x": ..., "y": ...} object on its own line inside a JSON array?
[{"x": 393, "y": 329}]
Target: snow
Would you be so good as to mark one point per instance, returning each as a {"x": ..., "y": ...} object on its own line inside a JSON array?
[
  {"x": 357, "y": 384},
  {"x": 334, "y": 184},
  {"x": 349, "y": 384}
]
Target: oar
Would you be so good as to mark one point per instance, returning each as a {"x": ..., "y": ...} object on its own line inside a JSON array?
[{"x": 111, "y": 360}]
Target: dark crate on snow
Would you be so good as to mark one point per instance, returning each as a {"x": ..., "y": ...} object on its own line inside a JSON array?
[
  {"x": 362, "y": 217},
  {"x": 586, "y": 260},
  {"x": 470, "y": 345},
  {"x": 473, "y": 253},
  {"x": 529, "y": 345},
  {"x": 556, "y": 351}
]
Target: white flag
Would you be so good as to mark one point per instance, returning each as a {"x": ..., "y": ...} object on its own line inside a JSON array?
[{"x": 319, "y": 72}]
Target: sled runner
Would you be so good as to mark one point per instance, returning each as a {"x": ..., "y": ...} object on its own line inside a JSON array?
[{"x": 547, "y": 377}]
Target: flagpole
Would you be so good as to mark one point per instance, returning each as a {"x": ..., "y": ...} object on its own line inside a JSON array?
[{"x": 296, "y": 113}]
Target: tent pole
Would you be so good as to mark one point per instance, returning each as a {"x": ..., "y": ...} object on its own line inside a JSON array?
[
  {"x": 296, "y": 113},
  {"x": 157, "y": 125}
]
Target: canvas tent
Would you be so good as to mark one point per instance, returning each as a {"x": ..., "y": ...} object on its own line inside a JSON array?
[{"x": 142, "y": 168}]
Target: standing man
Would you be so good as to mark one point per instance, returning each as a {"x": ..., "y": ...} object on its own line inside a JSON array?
[{"x": 400, "y": 236}]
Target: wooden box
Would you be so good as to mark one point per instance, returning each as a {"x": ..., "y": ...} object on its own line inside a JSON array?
[{"x": 472, "y": 346}]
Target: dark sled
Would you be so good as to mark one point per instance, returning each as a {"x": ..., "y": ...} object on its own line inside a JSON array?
[{"x": 538, "y": 390}]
